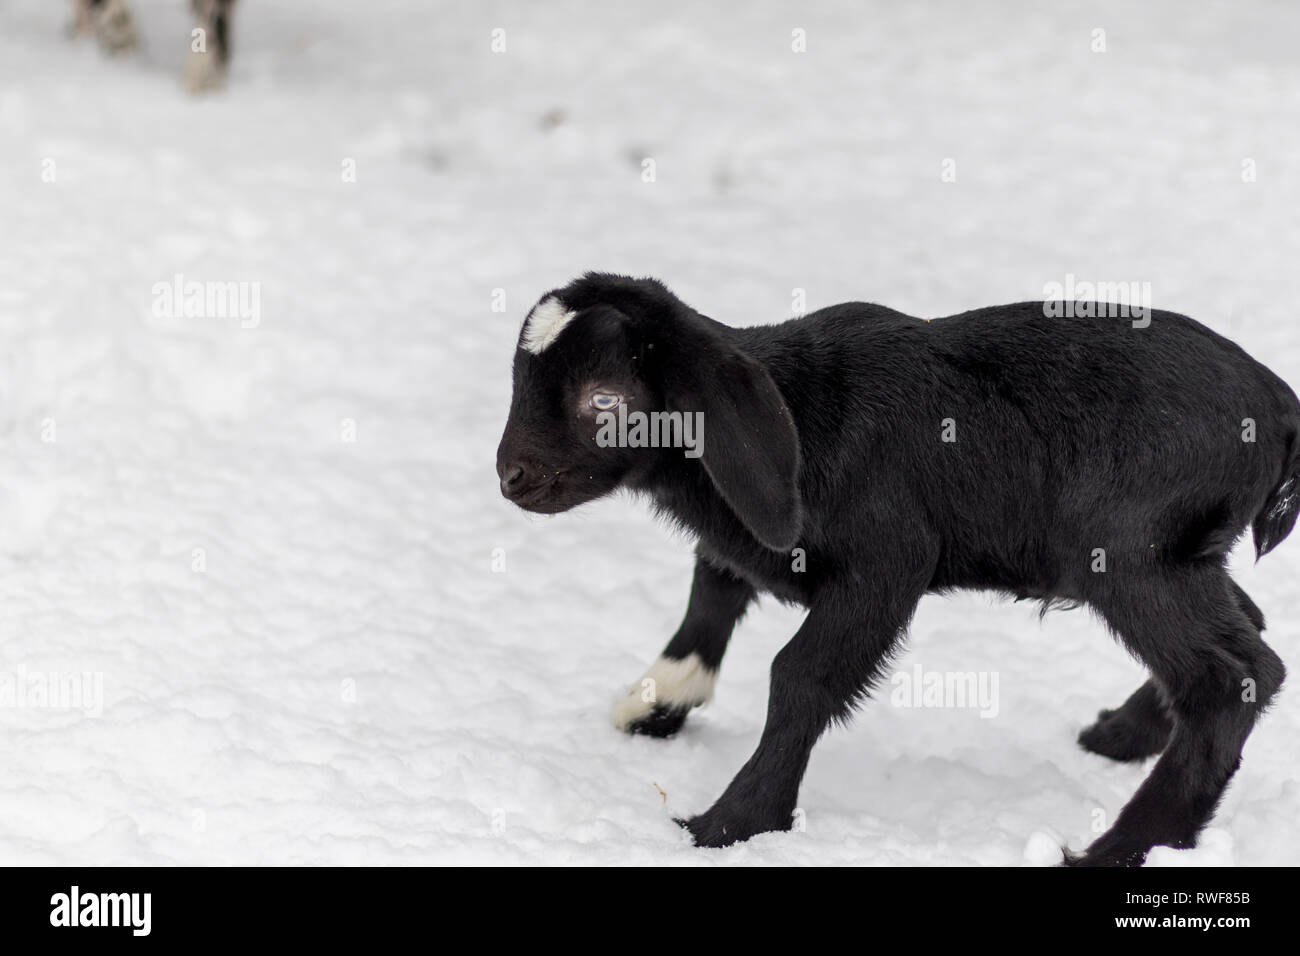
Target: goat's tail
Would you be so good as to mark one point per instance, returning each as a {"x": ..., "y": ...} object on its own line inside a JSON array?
[{"x": 1277, "y": 517}]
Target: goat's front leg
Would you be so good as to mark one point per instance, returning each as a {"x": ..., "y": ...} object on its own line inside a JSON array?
[
  {"x": 684, "y": 674},
  {"x": 817, "y": 678}
]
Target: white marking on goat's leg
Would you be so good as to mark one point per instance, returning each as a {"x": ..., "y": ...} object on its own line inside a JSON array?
[
  {"x": 544, "y": 323},
  {"x": 676, "y": 685}
]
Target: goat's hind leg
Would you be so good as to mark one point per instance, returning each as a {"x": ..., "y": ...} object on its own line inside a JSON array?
[
  {"x": 1137, "y": 729},
  {"x": 1189, "y": 626},
  {"x": 684, "y": 674},
  {"x": 1141, "y": 726}
]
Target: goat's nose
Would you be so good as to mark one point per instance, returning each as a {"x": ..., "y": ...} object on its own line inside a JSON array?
[{"x": 512, "y": 477}]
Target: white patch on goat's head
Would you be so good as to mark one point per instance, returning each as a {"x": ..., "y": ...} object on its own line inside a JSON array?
[
  {"x": 677, "y": 684},
  {"x": 544, "y": 324}
]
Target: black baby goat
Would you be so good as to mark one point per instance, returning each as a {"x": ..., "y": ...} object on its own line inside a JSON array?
[{"x": 856, "y": 459}]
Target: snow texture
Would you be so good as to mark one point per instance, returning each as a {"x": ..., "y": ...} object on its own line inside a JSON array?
[{"x": 324, "y": 637}]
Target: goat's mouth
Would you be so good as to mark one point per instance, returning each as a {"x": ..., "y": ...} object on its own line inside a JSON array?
[{"x": 542, "y": 498}]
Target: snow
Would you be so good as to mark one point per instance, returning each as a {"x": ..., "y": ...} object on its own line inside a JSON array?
[{"x": 309, "y": 649}]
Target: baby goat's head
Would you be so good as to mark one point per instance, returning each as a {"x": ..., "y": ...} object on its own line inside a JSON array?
[{"x": 606, "y": 351}]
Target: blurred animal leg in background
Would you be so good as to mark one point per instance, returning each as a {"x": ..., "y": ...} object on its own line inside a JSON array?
[
  {"x": 209, "y": 45},
  {"x": 108, "y": 21}
]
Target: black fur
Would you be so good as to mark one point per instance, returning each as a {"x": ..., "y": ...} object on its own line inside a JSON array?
[
  {"x": 1138, "y": 729},
  {"x": 825, "y": 434}
]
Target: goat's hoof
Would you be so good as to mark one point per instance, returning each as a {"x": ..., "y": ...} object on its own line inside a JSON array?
[
  {"x": 1115, "y": 735},
  {"x": 1093, "y": 857},
  {"x": 660, "y": 722},
  {"x": 707, "y": 830},
  {"x": 718, "y": 828},
  {"x": 632, "y": 715},
  {"x": 673, "y": 688}
]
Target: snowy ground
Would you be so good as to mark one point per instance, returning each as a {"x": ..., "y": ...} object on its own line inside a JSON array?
[{"x": 306, "y": 654}]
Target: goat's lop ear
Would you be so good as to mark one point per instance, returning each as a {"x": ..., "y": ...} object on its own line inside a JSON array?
[{"x": 751, "y": 445}]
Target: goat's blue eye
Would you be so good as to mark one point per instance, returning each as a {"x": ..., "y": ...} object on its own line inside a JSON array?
[{"x": 604, "y": 402}]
